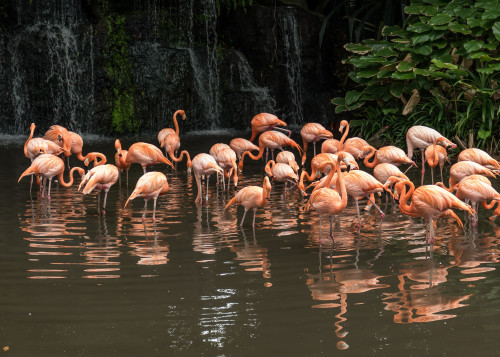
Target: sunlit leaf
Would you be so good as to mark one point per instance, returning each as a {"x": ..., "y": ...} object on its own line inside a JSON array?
[
  {"x": 358, "y": 48},
  {"x": 340, "y": 109},
  {"x": 491, "y": 13},
  {"x": 460, "y": 28},
  {"x": 496, "y": 30},
  {"x": 413, "y": 9},
  {"x": 441, "y": 64},
  {"x": 421, "y": 38},
  {"x": 464, "y": 12},
  {"x": 423, "y": 50},
  {"x": 473, "y": 45},
  {"x": 403, "y": 75},
  {"x": 419, "y": 27},
  {"x": 385, "y": 52},
  {"x": 405, "y": 66}
]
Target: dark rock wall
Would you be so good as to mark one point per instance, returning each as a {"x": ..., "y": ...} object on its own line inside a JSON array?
[{"x": 221, "y": 68}]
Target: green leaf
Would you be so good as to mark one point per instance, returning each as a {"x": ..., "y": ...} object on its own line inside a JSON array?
[
  {"x": 460, "y": 28},
  {"x": 474, "y": 22},
  {"x": 464, "y": 12},
  {"x": 367, "y": 73},
  {"x": 384, "y": 74},
  {"x": 491, "y": 13},
  {"x": 421, "y": 38},
  {"x": 405, "y": 66},
  {"x": 397, "y": 89},
  {"x": 340, "y": 109},
  {"x": 403, "y": 75},
  {"x": 413, "y": 9},
  {"x": 338, "y": 101},
  {"x": 440, "y": 44},
  {"x": 484, "y": 134},
  {"x": 429, "y": 11},
  {"x": 496, "y": 30},
  {"x": 401, "y": 40},
  {"x": 351, "y": 97},
  {"x": 429, "y": 73},
  {"x": 441, "y": 64},
  {"x": 440, "y": 19},
  {"x": 473, "y": 45},
  {"x": 419, "y": 27},
  {"x": 385, "y": 52},
  {"x": 358, "y": 48},
  {"x": 355, "y": 105},
  {"x": 423, "y": 50},
  {"x": 392, "y": 31}
]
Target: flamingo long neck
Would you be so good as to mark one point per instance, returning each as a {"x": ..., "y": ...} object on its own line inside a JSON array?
[
  {"x": 264, "y": 194},
  {"x": 252, "y": 156},
  {"x": 331, "y": 173},
  {"x": 176, "y": 125},
  {"x": 369, "y": 156},
  {"x": 80, "y": 157},
  {"x": 71, "y": 176},
  {"x": 346, "y": 131},
  {"x": 491, "y": 204},
  {"x": 435, "y": 158},
  {"x": 269, "y": 167},
  {"x": 32, "y": 130},
  {"x": 177, "y": 159},
  {"x": 404, "y": 207},
  {"x": 340, "y": 183}
]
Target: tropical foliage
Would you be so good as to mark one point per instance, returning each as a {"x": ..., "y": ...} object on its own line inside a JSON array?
[{"x": 440, "y": 69}]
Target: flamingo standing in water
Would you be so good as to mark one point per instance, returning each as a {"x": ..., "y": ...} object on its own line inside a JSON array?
[
  {"x": 48, "y": 166},
  {"x": 387, "y": 154},
  {"x": 150, "y": 186},
  {"x": 226, "y": 159},
  {"x": 165, "y": 131},
  {"x": 172, "y": 143},
  {"x": 327, "y": 201},
  {"x": 312, "y": 133},
  {"x": 240, "y": 145},
  {"x": 252, "y": 197},
  {"x": 204, "y": 165},
  {"x": 496, "y": 213},
  {"x": 420, "y": 137},
  {"x": 436, "y": 154},
  {"x": 120, "y": 158},
  {"x": 430, "y": 202},
  {"x": 462, "y": 169},
  {"x": 479, "y": 156},
  {"x": 270, "y": 140},
  {"x": 287, "y": 157},
  {"x": 355, "y": 146},
  {"x": 100, "y": 178},
  {"x": 145, "y": 155},
  {"x": 382, "y": 172},
  {"x": 37, "y": 146},
  {"x": 281, "y": 172},
  {"x": 264, "y": 122}
]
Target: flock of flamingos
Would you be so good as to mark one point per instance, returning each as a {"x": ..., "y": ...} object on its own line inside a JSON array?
[{"x": 337, "y": 162}]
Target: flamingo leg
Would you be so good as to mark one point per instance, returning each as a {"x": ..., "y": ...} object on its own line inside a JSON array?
[
  {"x": 50, "y": 184},
  {"x": 144, "y": 213},
  {"x": 320, "y": 223},
  {"x": 431, "y": 229},
  {"x": 267, "y": 154},
  {"x": 144, "y": 168},
  {"x": 243, "y": 218},
  {"x": 382, "y": 214},
  {"x": 104, "y": 203},
  {"x": 441, "y": 168},
  {"x": 289, "y": 132},
  {"x": 198, "y": 183},
  {"x": 208, "y": 177},
  {"x": 154, "y": 209},
  {"x": 31, "y": 183},
  {"x": 314, "y": 146},
  {"x": 359, "y": 216},
  {"x": 127, "y": 177},
  {"x": 272, "y": 154},
  {"x": 42, "y": 187},
  {"x": 331, "y": 228},
  {"x": 432, "y": 175},
  {"x": 254, "y": 212},
  {"x": 99, "y": 202},
  {"x": 423, "y": 166}
]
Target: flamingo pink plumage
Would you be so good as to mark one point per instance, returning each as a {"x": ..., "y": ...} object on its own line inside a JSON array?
[
  {"x": 479, "y": 156},
  {"x": 204, "y": 165},
  {"x": 240, "y": 145},
  {"x": 312, "y": 133},
  {"x": 330, "y": 146},
  {"x": 120, "y": 158},
  {"x": 281, "y": 172},
  {"x": 100, "y": 178},
  {"x": 145, "y": 155},
  {"x": 263, "y": 122},
  {"x": 165, "y": 131},
  {"x": 287, "y": 157},
  {"x": 150, "y": 186},
  {"x": 436, "y": 154}
]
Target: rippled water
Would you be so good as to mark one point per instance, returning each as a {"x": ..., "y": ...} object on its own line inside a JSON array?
[{"x": 75, "y": 283}]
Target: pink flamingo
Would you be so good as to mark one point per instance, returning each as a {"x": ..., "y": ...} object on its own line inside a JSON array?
[
  {"x": 165, "y": 131},
  {"x": 330, "y": 146},
  {"x": 436, "y": 154},
  {"x": 312, "y": 133},
  {"x": 150, "y": 186},
  {"x": 48, "y": 166},
  {"x": 420, "y": 137},
  {"x": 226, "y": 159},
  {"x": 120, "y": 158},
  {"x": 172, "y": 142},
  {"x": 479, "y": 156},
  {"x": 204, "y": 165},
  {"x": 462, "y": 169},
  {"x": 287, "y": 157},
  {"x": 263, "y": 122},
  {"x": 252, "y": 197},
  {"x": 60, "y": 136},
  {"x": 100, "y": 178},
  {"x": 387, "y": 154},
  {"x": 146, "y": 155},
  {"x": 240, "y": 145},
  {"x": 281, "y": 172}
]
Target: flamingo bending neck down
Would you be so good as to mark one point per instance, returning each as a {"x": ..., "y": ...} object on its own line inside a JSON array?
[
  {"x": 312, "y": 133},
  {"x": 430, "y": 202},
  {"x": 150, "y": 186},
  {"x": 436, "y": 154},
  {"x": 281, "y": 172},
  {"x": 120, "y": 158},
  {"x": 270, "y": 140},
  {"x": 48, "y": 166},
  {"x": 387, "y": 154},
  {"x": 146, "y": 155},
  {"x": 100, "y": 178},
  {"x": 264, "y": 121},
  {"x": 252, "y": 197},
  {"x": 327, "y": 201},
  {"x": 204, "y": 165}
]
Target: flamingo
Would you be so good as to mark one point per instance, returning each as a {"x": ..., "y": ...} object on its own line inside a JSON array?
[
  {"x": 251, "y": 197},
  {"x": 312, "y": 133},
  {"x": 240, "y": 145},
  {"x": 462, "y": 169},
  {"x": 145, "y": 155},
  {"x": 436, "y": 154},
  {"x": 264, "y": 122},
  {"x": 165, "y": 131},
  {"x": 226, "y": 159},
  {"x": 479, "y": 156},
  {"x": 96, "y": 157},
  {"x": 420, "y": 137},
  {"x": 327, "y": 201},
  {"x": 150, "y": 186},
  {"x": 496, "y": 213},
  {"x": 476, "y": 190},
  {"x": 382, "y": 172},
  {"x": 100, "y": 178},
  {"x": 430, "y": 202},
  {"x": 287, "y": 157},
  {"x": 281, "y": 172},
  {"x": 60, "y": 136},
  {"x": 355, "y": 146},
  {"x": 172, "y": 142},
  {"x": 120, "y": 158},
  {"x": 270, "y": 140},
  {"x": 204, "y": 165},
  {"x": 36, "y": 146},
  {"x": 387, "y": 154},
  {"x": 48, "y": 166},
  {"x": 330, "y": 146}
]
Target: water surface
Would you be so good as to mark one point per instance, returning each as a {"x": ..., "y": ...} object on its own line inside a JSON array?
[{"x": 194, "y": 283}]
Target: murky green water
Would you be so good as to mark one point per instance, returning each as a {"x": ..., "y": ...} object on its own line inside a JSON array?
[{"x": 74, "y": 283}]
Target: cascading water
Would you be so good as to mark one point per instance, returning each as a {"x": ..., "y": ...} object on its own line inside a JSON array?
[
  {"x": 48, "y": 68},
  {"x": 291, "y": 58}
]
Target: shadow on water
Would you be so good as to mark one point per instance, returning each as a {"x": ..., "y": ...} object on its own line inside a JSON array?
[{"x": 195, "y": 282}]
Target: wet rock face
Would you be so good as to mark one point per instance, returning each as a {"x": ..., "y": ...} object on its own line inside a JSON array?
[{"x": 222, "y": 69}]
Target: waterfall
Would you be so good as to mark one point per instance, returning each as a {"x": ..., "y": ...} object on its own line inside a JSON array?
[
  {"x": 48, "y": 75},
  {"x": 293, "y": 64}
]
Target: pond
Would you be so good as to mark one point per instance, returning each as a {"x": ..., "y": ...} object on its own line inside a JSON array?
[{"x": 195, "y": 283}]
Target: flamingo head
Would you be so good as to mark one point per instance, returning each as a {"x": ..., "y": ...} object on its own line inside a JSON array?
[{"x": 343, "y": 124}]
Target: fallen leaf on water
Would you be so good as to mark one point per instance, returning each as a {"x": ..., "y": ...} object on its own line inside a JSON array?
[{"x": 5, "y": 349}]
